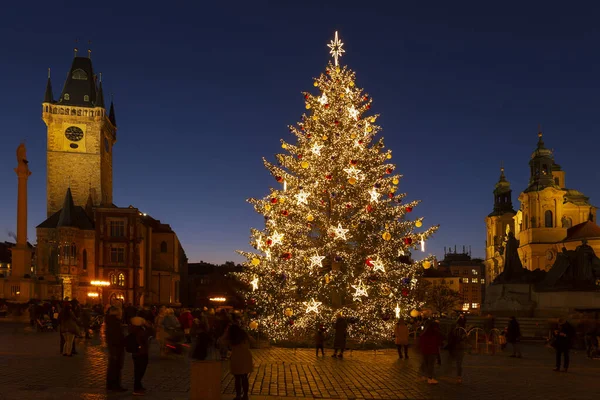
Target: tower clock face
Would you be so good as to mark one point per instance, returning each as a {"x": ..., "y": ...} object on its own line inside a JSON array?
[{"x": 74, "y": 133}]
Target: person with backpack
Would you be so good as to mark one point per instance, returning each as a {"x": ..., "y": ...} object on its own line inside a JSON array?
[
  {"x": 563, "y": 337},
  {"x": 457, "y": 343},
  {"x": 240, "y": 363},
  {"x": 115, "y": 341},
  {"x": 430, "y": 342},
  {"x": 137, "y": 343}
]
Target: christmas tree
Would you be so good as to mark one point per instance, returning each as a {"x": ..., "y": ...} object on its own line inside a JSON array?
[{"x": 337, "y": 237}]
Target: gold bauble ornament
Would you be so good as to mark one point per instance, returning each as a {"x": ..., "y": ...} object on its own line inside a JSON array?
[
  {"x": 315, "y": 84},
  {"x": 253, "y": 325},
  {"x": 395, "y": 181},
  {"x": 426, "y": 264},
  {"x": 304, "y": 164},
  {"x": 337, "y": 69},
  {"x": 353, "y": 135},
  {"x": 310, "y": 218},
  {"x": 282, "y": 199},
  {"x": 385, "y": 290},
  {"x": 255, "y": 261},
  {"x": 307, "y": 106},
  {"x": 341, "y": 95},
  {"x": 372, "y": 119},
  {"x": 352, "y": 181},
  {"x": 325, "y": 137},
  {"x": 283, "y": 146},
  {"x": 351, "y": 83},
  {"x": 267, "y": 207},
  {"x": 288, "y": 312},
  {"x": 418, "y": 224},
  {"x": 414, "y": 313},
  {"x": 369, "y": 129},
  {"x": 314, "y": 117},
  {"x": 386, "y": 236},
  {"x": 388, "y": 156}
]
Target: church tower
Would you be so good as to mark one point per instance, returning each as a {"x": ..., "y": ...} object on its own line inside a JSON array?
[
  {"x": 498, "y": 223},
  {"x": 81, "y": 135}
]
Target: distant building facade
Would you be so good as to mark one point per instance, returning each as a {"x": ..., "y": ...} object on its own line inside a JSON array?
[
  {"x": 209, "y": 285},
  {"x": 550, "y": 216}
]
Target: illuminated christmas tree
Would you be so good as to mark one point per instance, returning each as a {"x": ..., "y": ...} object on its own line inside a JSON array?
[{"x": 337, "y": 236}]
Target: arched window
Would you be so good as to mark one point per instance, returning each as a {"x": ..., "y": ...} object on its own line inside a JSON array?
[
  {"x": 548, "y": 219},
  {"x": 79, "y": 74},
  {"x": 112, "y": 278},
  {"x": 163, "y": 247},
  {"x": 545, "y": 169},
  {"x": 121, "y": 279},
  {"x": 67, "y": 96},
  {"x": 86, "y": 98},
  {"x": 73, "y": 250},
  {"x": 84, "y": 259}
]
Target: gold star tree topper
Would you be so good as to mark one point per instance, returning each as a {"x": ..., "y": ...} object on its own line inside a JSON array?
[{"x": 336, "y": 48}]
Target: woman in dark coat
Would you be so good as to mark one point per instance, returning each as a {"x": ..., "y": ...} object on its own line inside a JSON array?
[
  {"x": 115, "y": 341},
  {"x": 513, "y": 336},
  {"x": 339, "y": 341}
]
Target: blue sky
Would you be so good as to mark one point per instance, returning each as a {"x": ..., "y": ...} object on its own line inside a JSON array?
[{"x": 203, "y": 91}]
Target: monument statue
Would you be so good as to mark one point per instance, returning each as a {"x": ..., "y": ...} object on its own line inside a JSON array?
[
  {"x": 573, "y": 270},
  {"x": 513, "y": 268}
]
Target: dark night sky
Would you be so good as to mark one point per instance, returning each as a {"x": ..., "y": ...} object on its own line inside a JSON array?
[{"x": 203, "y": 91}]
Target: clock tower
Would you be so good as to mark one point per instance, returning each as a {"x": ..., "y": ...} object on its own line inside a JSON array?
[{"x": 80, "y": 138}]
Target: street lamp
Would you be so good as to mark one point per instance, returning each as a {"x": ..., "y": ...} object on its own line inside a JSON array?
[{"x": 99, "y": 285}]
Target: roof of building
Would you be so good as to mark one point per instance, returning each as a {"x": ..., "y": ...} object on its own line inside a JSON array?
[
  {"x": 80, "y": 82},
  {"x": 585, "y": 230},
  {"x": 49, "y": 96},
  {"x": 111, "y": 114},
  {"x": 576, "y": 197},
  {"x": 69, "y": 216}
]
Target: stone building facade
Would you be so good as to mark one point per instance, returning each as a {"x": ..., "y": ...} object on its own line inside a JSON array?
[{"x": 548, "y": 209}]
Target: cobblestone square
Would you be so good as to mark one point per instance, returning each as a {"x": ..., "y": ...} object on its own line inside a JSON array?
[{"x": 31, "y": 368}]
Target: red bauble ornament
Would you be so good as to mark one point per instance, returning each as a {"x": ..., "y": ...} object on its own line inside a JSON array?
[
  {"x": 360, "y": 142},
  {"x": 285, "y": 213},
  {"x": 299, "y": 156},
  {"x": 407, "y": 240},
  {"x": 327, "y": 71},
  {"x": 302, "y": 127},
  {"x": 408, "y": 209},
  {"x": 328, "y": 177},
  {"x": 389, "y": 170},
  {"x": 326, "y": 106},
  {"x": 391, "y": 195},
  {"x": 291, "y": 322},
  {"x": 308, "y": 135},
  {"x": 353, "y": 162},
  {"x": 269, "y": 242},
  {"x": 366, "y": 98},
  {"x": 368, "y": 106},
  {"x": 279, "y": 178},
  {"x": 369, "y": 262},
  {"x": 348, "y": 205},
  {"x": 273, "y": 200},
  {"x": 286, "y": 256},
  {"x": 306, "y": 96},
  {"x": 336, "y": 122},
  {"x": 405, "y": 292},
  {"x": 369, "y": 208}
]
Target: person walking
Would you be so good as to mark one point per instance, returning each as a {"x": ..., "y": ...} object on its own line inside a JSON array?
[
  {"x": 563, "y": 337},
  {"x": 69, "y": 329},
  {"x": 430, "y": 342},
  {"x": 401, "y": 338},
  {"x": 115, "y": 341},
  {"x": 187, "y": 321},
  {"x": 161, "y": 335},
  {"x": 457, "y": 343},
  {"x": 240, "y": 363},
  {"x": 513, "y": 336},
  {"x": 320, "y": 340},
  {"x": 339, "y": 341},
  {"x": 139, "y": 330}
]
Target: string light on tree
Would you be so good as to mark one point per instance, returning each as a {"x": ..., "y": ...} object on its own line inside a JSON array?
[
  {"x": 397, "y": 311},
  {"x": 254, "y": 283}
]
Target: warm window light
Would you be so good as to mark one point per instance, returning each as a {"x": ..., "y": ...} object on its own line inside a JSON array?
[
  {"x": 100, "y": 283},
  {"x": 93, "y": 294},
  {"x": 218, "y": 299}
]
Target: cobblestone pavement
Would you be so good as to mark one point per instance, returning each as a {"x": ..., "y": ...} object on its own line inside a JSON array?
[{"x": 31, "y": 368}]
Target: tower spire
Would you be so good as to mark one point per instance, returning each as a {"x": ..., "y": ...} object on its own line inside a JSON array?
[
  {"x": 48, "y": 96},
  {"x": 111, "y": 113}
]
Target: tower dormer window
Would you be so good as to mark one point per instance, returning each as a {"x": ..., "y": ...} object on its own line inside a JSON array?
[
  {"x": 67, "y": 97},
  {"x": 86, "y": 98},
  {"x": 79, "y": 74}
]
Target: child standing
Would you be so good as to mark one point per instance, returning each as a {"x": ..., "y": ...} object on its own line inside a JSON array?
[
  {"x": 320, "y": 340},
  {"x": 240, "y": 362}
]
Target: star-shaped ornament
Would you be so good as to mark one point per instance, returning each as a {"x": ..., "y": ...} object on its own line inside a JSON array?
[
  {"x": 374, "y": 195},
  {"x": 302, "y": 197},
  {"x": 312, "y": 306},
  {"x": 361, "y": 290},
  {"x": 353, "y": 112},
  {"x": 316, "y": 149},
  {"x": 397, "y": 310},
  {"x": 268, "y": 254},
  {"x": 254, "y": 283},
  {"x": 378, "y": 265},
  {"x": 323, "y": 99},
  {"x": 336, "y": 48},
  {"x": 339, "y": 232},
  {"x": 259, "y": 243},
  {"x": 276, "y": 238},
  {"x": 316, "y": 261},
  {"x": 353, "y": 172}
]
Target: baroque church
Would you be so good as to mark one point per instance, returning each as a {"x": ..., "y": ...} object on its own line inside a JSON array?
[
  {"x": 88, "y": 248},
  {"x": 550, "y": 217}
]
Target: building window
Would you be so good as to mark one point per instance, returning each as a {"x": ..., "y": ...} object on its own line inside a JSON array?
[
  {"x": 112, "y": 279},
  {"x": 86, "y": 98},
  {"x": 474, "y": 272},
  {"x": 79, "y": 74},
  {"x": 163, "y": 247},
  {"x": 545, "y": 169},
  {"x": 67, "y": 97},
  {"x": 465, "y": 306},
  {"x": 84, "y": 256},
  {"x": 465, "y": 280},
  {"x": 117, "y": 254},
  {"x": 482, "y": 281},
  {"x": 475, "y": 280},
  {"x": 117, "y": 228},
  {"x": 474, "y": 305},
  {"x": 121, "y": 281},
  {"x": 548, "y": 219}
]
